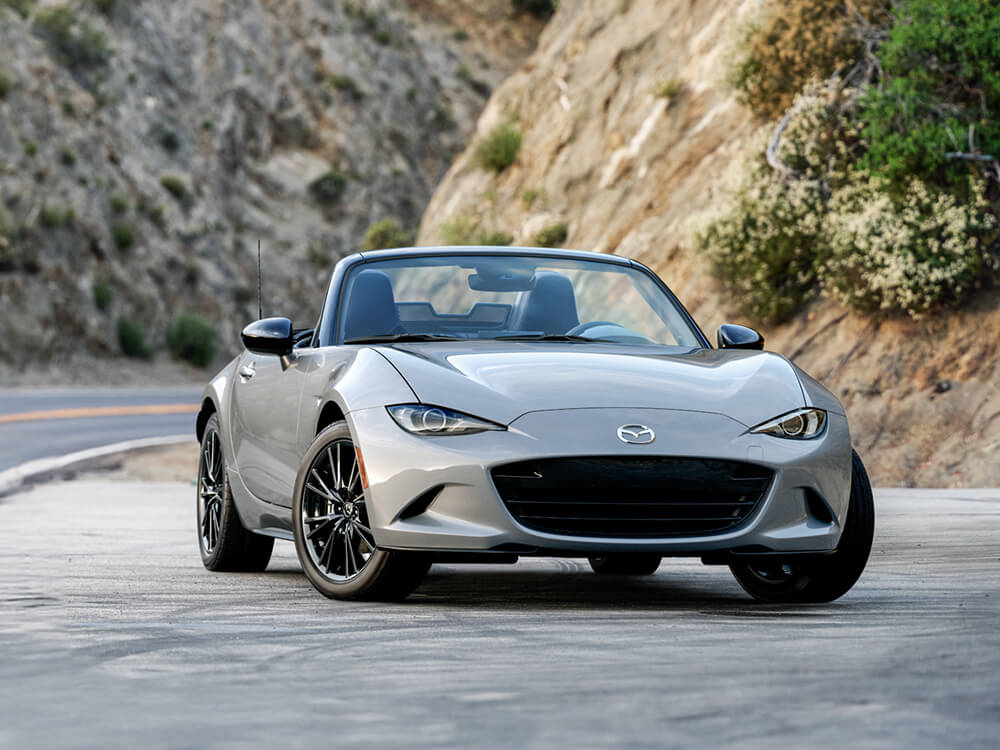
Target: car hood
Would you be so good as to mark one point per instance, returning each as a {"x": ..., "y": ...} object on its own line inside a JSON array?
[{"x": 501, "y": 381}]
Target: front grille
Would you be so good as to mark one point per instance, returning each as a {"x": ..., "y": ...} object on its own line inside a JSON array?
[{"x": 631, "y": 497}]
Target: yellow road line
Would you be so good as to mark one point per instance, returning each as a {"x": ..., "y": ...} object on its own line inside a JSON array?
[{"x": 99, "y": 411}]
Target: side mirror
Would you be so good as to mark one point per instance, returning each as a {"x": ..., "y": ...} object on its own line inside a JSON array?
[
  {"x": 269, "y": 336},
  {"x": 739, "y": 337}
]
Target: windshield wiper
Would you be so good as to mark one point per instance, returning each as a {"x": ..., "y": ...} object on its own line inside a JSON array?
[
  {"x": 545, "y": 337},
  {"x": 401, "y": 337}
]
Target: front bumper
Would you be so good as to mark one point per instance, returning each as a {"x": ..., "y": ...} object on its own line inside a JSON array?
[{"x": 437, "y": 493}]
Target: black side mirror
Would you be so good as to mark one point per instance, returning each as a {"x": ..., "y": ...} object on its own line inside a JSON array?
[
  {"x": 739, "y": 337},
  {"x": 269, "y": 336}
]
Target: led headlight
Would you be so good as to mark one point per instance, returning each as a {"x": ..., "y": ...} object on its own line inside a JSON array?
[
  {"x": 436, "y": 420},
  {"x": 801, "y": 424}
]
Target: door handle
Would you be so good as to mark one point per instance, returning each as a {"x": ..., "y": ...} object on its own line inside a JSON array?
[{"x": 247, "y": 371}]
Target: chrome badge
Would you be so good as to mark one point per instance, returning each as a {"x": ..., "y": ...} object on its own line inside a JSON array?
[{"x": 638, "y": 434}]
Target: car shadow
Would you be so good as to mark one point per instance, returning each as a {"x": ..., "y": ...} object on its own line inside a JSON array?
[{"x": 571, "y": 586}]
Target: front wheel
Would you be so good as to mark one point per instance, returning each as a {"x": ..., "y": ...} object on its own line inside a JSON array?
[
  {"x": 826, "y": 578},
  {"x": 333, "y": 535}
]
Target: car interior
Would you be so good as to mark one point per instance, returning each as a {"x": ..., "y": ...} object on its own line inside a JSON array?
[{"x": 548, "y": 307}]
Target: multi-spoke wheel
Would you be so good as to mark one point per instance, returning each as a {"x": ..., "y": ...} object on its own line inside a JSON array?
[
  {"x": 333, "y": 534},
  {"x": 333, "y": 515},
  {"x": 825, "y": 578},
  {"x": 222, "y": 540}
]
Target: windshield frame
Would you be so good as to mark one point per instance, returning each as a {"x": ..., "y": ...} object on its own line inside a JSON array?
[{"x": 329, "y": 331}]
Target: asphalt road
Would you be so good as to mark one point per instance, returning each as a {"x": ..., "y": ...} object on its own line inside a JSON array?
[
  {"x": 112, "y": 635},
  {"x": 45, "y": 434}
]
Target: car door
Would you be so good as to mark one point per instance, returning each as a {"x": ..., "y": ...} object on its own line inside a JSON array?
[{"x": 264, "y": 417}]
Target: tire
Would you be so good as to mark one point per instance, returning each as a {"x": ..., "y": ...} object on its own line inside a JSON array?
[
  {"x": 333, "y": 538},
  {"x": 224, "y": 543},
  {"x": 626, "y": 564},
  {"x": 828, "y": 577}
]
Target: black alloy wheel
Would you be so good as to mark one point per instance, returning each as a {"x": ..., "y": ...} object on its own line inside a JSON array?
[
  {"x": 334, "y": 538},
  {"x": 224, "y": 543}
]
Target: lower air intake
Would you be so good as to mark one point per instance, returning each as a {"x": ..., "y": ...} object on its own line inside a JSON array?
[{"x": 631, "y": 497}]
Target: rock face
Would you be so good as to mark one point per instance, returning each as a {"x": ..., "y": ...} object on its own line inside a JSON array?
[
  {"x": 627, "y": 128},
  {"x": 144, "y": 151}
]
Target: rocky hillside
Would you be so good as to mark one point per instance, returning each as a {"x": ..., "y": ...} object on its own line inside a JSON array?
[
  {"x": 627, "y": 128},
  {"x": 146, "y": 146}
]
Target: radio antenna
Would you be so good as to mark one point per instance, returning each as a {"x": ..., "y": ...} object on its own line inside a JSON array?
[{"x": 260, "y": 307}]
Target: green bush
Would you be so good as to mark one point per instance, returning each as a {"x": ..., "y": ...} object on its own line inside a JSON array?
[
  {"x": 54, "y": 217},
  {"x": 73, "y": 41},
  {"x": 103, "y": 294},
  {"x": 911, "y": 253},
  {"x": 540, "y": 8},
  {"x": 21, "y": 7},
  {"x": 385, "y": 234},
  {"x": 119, "y": 203},
  {"x": 107, "y": 7},
  {"x": 552, "y": 235},
  {"x": 175, "y": 186},
  {"x": 498, "y": 150},
  {"x": 319, "y": 256},
  {"x": 493, "y": 237},
  {"x": 67, "y": 156},
  {"x": 6, "y": 84},
  {"x": 766, "y": 245},
  {"x": 192, "y": 338},
  {"x": 166, "y": 137},
  {"x": 132, "y": 339},
  {"x": 346, "y": 84},
  {"x": 940, "y": 90},
  {"x": 30, "y": 148},
  {"x": 458, "y": 230},
  {"x": 329, "y": 187},
  {"x": 669, "y": 88},
  {"x": 796, "y": 41},
  {"x": 123, "y": 235}
]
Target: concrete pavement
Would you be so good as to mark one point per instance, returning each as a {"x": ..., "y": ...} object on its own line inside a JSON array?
[{"x": 112, "y": 634}]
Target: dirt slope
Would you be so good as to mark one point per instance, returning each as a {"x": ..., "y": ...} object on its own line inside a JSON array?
[{"x": 627, "y": 170}]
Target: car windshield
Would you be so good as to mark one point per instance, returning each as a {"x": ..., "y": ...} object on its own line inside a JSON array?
[{"x": 509, "y": 297}]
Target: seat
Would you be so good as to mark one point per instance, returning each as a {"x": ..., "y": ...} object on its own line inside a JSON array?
[
  {"x": 550, "y": 307},
  {"x": 370, "y": 307}
]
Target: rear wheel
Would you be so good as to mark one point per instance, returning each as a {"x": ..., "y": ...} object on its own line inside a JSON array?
[
  {"x": 333, "y": 535},
  {"x": 222, "y": 540},
  {"x": 626, "y": 564},
  {"x": 829, "y": 577}
]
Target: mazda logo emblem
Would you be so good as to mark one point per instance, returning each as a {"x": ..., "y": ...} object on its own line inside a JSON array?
[{"x": 637, "y": 434}]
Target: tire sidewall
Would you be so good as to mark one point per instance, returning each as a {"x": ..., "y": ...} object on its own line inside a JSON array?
[{"x": 211, "y": 559}]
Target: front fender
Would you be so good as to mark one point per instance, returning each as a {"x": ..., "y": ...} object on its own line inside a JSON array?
[{"x": 214, "y": 399}]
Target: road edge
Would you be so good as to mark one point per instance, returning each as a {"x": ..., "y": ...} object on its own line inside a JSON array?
[{"x": 13, "y": 479}]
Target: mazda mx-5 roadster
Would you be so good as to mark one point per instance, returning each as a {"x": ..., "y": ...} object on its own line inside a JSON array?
[{"x": 472, "y": 404}]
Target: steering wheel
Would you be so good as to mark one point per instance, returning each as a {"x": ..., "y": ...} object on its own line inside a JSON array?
[{"x": 583, "y": 327}]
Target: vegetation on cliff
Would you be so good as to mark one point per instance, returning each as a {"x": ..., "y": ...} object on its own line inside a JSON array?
[{"x": 879, "y": 185}]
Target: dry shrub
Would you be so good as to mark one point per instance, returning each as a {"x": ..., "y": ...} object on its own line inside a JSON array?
[{"x": 798, "y": 40}]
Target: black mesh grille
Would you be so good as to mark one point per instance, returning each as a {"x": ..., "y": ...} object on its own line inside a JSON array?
[{"x": 631, "y": 497}]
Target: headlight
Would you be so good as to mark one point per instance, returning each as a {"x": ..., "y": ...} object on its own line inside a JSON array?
[
  {"x": 436, "y": 420},
  {"x": 800, "y": 424}
]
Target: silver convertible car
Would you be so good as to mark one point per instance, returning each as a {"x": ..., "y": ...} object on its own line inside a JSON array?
[{"x": 472, "y": 404}]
